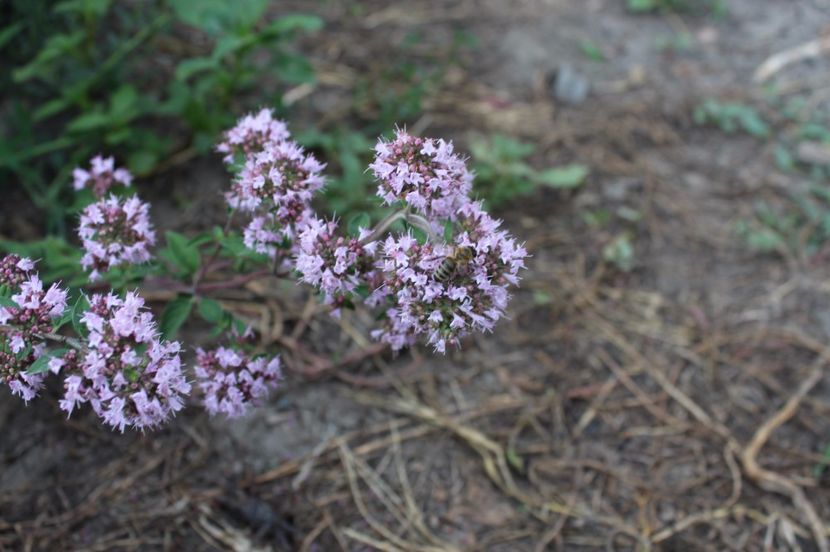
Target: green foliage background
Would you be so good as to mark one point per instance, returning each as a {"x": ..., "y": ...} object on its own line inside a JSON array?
[{"x": 99, "y": 76}]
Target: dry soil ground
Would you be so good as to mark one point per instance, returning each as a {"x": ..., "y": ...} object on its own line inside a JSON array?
[{"x": 678, "y": 406}]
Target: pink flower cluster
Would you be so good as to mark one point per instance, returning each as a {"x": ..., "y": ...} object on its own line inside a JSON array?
[
  {"x": 251, "y": 134},
  {"x": 424, "y": 173},
  {"x": 115, "y": 231},
  {"x": 472, "y": 296},
  {"x": 128, "y": 375},
  {"x": 336, "y": 265},
  {"x": 101, "y": 176},
  {"x": 277, "y": 185},
  {"x": 232, "y": 381},
  {"x": 438, "y": 290},
  {"x": 35, "y": 312},
  {"x": 14, "y": 270}
]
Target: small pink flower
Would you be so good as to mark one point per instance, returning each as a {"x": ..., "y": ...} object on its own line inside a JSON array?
[
  {"x": 115, "y": 232},
  {"x": 334, "y": 264},
  {"x": 101, "y": 176},
  {"x": 15, "y": 270},
  {"x": 423, "y": 173},
  {"x": 127, "y": 374},
  {"x": 252, "y": 133},
  {"x": 276, "y": 186},
  {"x": 35, "y": 312},
  {"x": 470, "y": 295},
  {"x": 231, "y": 381}
]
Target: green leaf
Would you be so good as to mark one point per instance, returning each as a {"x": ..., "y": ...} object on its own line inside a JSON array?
[
  {"x": 10, "y": 32},
  {"x": 189, "y": 67},
  {"x": 124, "y": 103},
  {"x": 78, "y": 310},
  {"x": 821, "y": 466},
  {"x": 219, "y": 16},
  {"x": 620, "y": 252},
  {"x": 295, "y": 22},
  {"x": 592, "y": 51},
  {"x": 131, "y": 373},
  {"x": 360, "y": 220},
  {"x": 185, "y": 255},
  {"x": 293, "y": 68},
  {"x": 56, "y": 47},
  {"x": 142, "y": 162},
  {"x": 83, "y": 7},
  {"x": 52, "y": 107},
  {"x": 89, "y": 121},
  {"x": 6, "y": 302},
  {"x": 211, "y": 311},
  {"x": 449, "y": 231},
  {"x": 567, "y": 177},
  {"x": 174, "y": 315},
  {"x": 515, "y": 460},
  {"x": 641, "y": 6},
  {"x": 41, "y": 364},
  {"x": 765, "y": 240},
  {"x": 783, "y": 158},
  {"x": 232, "y": 44}
]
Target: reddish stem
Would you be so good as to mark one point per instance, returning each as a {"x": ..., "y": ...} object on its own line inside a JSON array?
[{"x": 233, "y": 282}]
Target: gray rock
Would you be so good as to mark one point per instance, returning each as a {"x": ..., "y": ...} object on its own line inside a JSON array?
[{"x": 569, "y": 85}]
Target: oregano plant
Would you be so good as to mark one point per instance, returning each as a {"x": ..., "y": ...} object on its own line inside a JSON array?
[{"x": 437, "y": 268}]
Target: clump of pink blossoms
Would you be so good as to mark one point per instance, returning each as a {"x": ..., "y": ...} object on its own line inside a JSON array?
[
  {"x": 14, "y": 270},
  {"x": 232, "y": 381},
  {"x": 115, "y": 232},
  {"x": 436, "y": 289},
  {"x": 424, "y": 173},
  {"x": 473, "y": 298},
  {"x": 252, "y": 134},
  {"x": 101, "y": 176},
  {"x": 277, "y": 185},
  {"x": 35, "y": 311},
  {"x": 128, "y": 375},
  {"x": 334, "y": 264}
]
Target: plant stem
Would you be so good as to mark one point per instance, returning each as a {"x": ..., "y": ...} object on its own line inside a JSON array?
[
  {"x": 383, "y": 226},
  {"x": 421, "y": 223},
  {"x": 206, "y": 265},
  {"x": 71, "y": 341},
  {"x": 234, "y": 282}
]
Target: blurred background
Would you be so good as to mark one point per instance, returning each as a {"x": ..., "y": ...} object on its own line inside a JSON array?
[{"x": 659, "y": 384}]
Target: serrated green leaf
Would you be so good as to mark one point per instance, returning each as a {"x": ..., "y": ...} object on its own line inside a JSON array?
[{"x": 174, "y": 315}]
